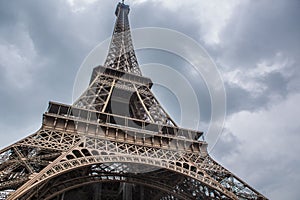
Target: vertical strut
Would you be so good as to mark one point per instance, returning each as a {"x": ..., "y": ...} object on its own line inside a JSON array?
[
  {"x": 142, "y": 102},
  {"x": 109, "y": 95}
]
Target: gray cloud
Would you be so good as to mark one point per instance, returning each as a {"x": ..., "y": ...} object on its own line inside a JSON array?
[
  {"x": 261, "y": 29},
  {"x": 261, "y": 147},
  {"x": 42, "y": 44},
  {"x": 261, "y": 32}
]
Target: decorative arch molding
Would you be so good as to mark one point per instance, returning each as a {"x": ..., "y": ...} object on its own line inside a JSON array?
[{"x": 73, "y": 164}]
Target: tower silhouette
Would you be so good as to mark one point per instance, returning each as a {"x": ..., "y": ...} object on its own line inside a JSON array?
[{"x": 115, "y": 142}]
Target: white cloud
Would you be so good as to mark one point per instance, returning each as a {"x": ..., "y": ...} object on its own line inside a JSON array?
[
  {"x": 244, "y": 80},
  {"x": 251, "y": 79},
  {"x": 276, "y": 64},
  {"x": 267, "y": 154},
  {"x": 80, "y": 5}
]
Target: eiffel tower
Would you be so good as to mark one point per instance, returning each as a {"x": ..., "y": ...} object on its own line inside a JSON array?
[{"x": 115, "y": 142}]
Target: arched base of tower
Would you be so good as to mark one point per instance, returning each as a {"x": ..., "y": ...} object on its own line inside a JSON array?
[{"x": 113, "y": 181}]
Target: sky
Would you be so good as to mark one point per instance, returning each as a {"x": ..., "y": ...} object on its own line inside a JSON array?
[{"x": 255, "y": 45}]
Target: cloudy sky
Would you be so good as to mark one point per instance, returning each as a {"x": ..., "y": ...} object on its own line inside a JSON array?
[{"x": 255, "y": 44}]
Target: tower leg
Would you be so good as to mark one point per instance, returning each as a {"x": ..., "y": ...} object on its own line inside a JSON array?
[
  {"x": 127, "y": 191},
  {"x": 97, "y": 191},
  {"x": 142, "y": 196}
]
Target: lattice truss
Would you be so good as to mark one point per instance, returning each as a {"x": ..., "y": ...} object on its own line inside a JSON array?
[
  {"x": 140, "y": 101},
  {"x": 50, "y": 162},
  {"x": 121, "y": 55},
  {"x": 20, "y": 161},
  {"x": 97, "y": 95}
]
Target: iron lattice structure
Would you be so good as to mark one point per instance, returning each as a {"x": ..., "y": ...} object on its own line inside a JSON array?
[{"x": 115, "y": 142}]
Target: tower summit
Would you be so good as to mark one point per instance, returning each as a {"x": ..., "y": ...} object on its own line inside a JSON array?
[
  {"x": 115, "y": 142},
  {"x": 121, "y": 55}
]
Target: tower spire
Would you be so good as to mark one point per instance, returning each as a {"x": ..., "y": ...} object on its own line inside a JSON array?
[{"x": 121, "y": 55}]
